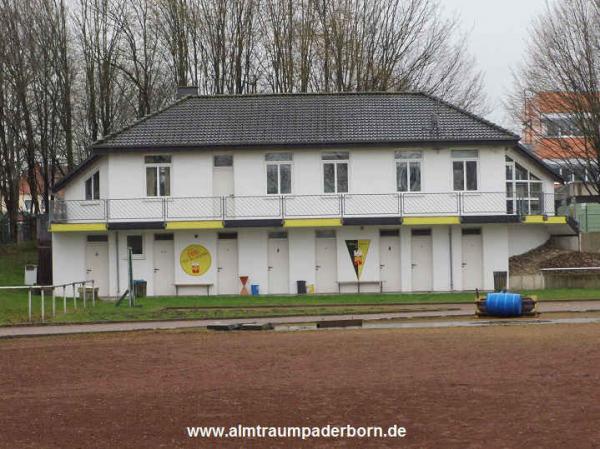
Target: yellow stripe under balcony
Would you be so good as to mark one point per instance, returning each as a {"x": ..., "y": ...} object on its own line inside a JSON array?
[
  {"x": 312, "y": 222},
  {"x": 540, "y": 219},
  {"x": 207, "y": 224},
  {"x": 557, "y": 220},
  {"x": 430, "y": 220},
  {"x": 77, "y": 227},
  {"x": 534, "y": 219}
]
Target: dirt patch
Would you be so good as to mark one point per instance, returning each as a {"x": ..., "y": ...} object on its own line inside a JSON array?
[
  {"x": 547, "y": 256},
  {"x": 478, "y": 388}
]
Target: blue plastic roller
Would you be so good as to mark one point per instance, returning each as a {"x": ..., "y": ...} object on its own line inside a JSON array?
[{"x": 504, "y": 304}]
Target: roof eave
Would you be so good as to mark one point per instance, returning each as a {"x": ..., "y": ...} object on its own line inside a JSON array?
[
  {"x": 106, "y": 149},
  {"x": 66, "y": 180},
  {"x": 539, "y": 162}
]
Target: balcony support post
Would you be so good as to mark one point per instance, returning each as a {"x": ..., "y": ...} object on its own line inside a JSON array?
[{"x": 400, "y": 204}]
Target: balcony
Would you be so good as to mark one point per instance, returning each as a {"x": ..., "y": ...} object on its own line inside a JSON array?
[{"x": 176, "y": 209}]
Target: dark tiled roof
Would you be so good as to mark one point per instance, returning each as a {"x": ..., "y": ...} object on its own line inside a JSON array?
[
  {"x": 305, "y": 119},
  {"x": 526, "y": 151}
]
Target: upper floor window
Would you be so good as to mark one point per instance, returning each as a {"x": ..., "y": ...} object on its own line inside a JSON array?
[
  {"x": 158, "y": 175},
  {"x": 464, "y": 169},
  {"x": 335, "y": 171},
  {"x": 523, "y": 190},
  {"x": 92, "y": 187},
  {"x": 279, "y": 173},
  {"x": 408, "y": 171},
  {"x": 223, "y": 160},
  {"x": 560, "y": 125}
]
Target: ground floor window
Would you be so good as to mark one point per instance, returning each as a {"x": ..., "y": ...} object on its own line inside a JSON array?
[{"x": 136, "y": 243}]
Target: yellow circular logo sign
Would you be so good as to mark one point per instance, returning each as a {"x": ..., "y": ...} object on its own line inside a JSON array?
[{"x": 195, "y": 260}]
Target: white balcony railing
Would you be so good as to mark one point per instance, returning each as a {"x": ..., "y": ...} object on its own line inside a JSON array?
[{"x": 298, "y": 206}]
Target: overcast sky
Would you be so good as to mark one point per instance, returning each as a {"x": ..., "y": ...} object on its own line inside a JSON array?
[{"x": 498, "y": 38}]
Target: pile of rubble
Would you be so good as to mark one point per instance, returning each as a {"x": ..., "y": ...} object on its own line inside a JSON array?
[{"x": 547, "y": 256}]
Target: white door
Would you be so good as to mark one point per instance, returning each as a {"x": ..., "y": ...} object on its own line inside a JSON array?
[
  {"x": 164, "y": 265},
  {"x": 228, "y": 281},
  {"x": 472, "y": 259},
  {"x": 96, "y": 259},
  {"x": 279, "y": 266},
  {"x": 422, "y": 261},
  {"x": 326, "y": 265},
  {"x": 389, "y": 262}
]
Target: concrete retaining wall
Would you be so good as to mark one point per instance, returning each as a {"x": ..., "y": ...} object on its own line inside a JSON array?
[
  {"x": 590, "y": 242},
  {"x": 572, "y": 280},
  {"x": 568, "y": 242},
  {"x": 526, "y": 282}
]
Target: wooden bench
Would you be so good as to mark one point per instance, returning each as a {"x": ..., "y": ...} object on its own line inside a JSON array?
[
  {"x": 358, "y": 284},
  {"x": 187, "y": 284}
]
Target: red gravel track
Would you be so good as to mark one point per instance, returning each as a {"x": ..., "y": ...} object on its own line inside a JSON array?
[{"x": 513, "y": 387}]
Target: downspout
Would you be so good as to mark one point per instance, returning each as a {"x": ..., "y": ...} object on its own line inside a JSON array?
[
  {"x": 451, "y": 259},
  {"x": 117, "y": 255}
]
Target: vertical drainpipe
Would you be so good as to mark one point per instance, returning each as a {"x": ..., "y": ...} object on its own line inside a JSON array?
[
  {"x": 451, "y": 259},
  {"x": 117, "y": 256}
]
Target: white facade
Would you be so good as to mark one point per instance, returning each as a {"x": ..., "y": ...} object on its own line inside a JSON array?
[{"x": 370, "y": 171}]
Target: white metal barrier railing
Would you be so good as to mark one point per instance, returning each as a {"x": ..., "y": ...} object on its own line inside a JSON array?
[
  {"x": 42, "y": 289},
  {"x": 301, "y": 206}
]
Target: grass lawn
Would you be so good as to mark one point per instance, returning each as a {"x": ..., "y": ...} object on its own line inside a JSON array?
[{"x": 13, "y": 304}]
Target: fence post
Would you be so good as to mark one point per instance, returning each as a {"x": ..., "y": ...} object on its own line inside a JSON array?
[
  {"x": 74, "y": 297},
  {"x": 65, "y": 298},
  {"x": 84, "y": 295},
  {"x": 223, "y": 207},
  {"x": 43, "y": 305},
  {"x": 30, "y": 314},
  {"x": 93, "y": 294},
  {"x": 53, "y": 303},
  {"x": 282, "y": 207}
]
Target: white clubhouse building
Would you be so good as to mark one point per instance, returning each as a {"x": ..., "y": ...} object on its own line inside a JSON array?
[{"x": 392, "y": 192}]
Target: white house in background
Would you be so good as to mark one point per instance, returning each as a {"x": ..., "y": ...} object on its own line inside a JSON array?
[{"x": 397, "y": 191}]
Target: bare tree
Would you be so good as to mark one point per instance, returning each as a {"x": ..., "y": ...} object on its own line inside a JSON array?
[
  {"x": 100, "y": 38},
  {"x": 10, "y": 156},
  {"x": 140, "y": 59},
  {"x": 561, "y": 77},
  {"x": 368, "y": 45},
  {"x": 176, "y": 22}
]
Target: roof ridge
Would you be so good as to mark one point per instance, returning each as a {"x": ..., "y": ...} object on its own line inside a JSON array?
[
  {"x": 307, "y": 94},
  {"x": 471, "y": 114}
]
